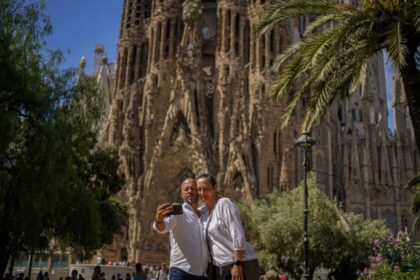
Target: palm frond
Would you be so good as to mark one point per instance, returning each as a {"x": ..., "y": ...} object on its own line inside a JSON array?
[
  {"x": 345, "y": 72},
  {"x": 414, "y": 182},
  {"x": 340, "y": 14},
  {"x": 416, "y": 224},
  {"x": 282, "y": 10},
  {"x": 302, "y": 91},
  {"x": 396, "y": 44},
  {"x": 331, "y": 58},
  {"x": 281, "y": 59},
  {"x": 414, "y": 14}
]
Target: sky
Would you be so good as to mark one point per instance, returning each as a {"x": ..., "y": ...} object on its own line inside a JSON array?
[
  {"x": 78, "y": 25},
  {"x": 389, "y": 73}
]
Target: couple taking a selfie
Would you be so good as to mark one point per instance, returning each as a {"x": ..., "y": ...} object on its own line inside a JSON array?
[{"x": 207, "y": 242}]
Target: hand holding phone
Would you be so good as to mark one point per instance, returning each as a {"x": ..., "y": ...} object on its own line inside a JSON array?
[{"x": 177, "y": 209}]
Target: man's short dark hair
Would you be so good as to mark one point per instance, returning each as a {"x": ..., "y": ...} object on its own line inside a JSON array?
[
  {"x": 187, "y": 177},
  {"x": 208, "y": 177}
]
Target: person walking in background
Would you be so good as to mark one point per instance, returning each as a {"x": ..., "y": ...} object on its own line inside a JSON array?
[
  {"x": 162, "y": 273},
  {"x": 96, "y": 273},
  {"x": 189, "y": 254},
  {"x": 232, "y": 256},
  {"x": 40, "y": 275},
  {"x": 148, "y": 273},
  {"x": 74, "y": 274},
  {"x": 139, "y": 274}
]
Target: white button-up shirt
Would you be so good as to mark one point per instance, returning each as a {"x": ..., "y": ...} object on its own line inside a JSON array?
[
  {"x": 188, "y": 246},
  {"x": 226, "y": 233}
]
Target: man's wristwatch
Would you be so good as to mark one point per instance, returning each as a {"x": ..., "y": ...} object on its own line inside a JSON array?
[{"x": 238, "y": 263}]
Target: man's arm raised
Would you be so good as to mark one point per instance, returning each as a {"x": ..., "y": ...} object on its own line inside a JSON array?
[{"x": 162, "y": 212}]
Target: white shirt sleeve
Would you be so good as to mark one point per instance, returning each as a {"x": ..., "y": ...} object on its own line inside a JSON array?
[
  {"x": 169, "y": 223},
  {"x": 234, "y": 224}
]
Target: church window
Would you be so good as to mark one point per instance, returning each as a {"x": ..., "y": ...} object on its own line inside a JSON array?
[
  {"x": 167, "y": 38},
  {"x": 226, "y": 35},
  {"x": 272, "y": 42},
  {"x": 247, "y": 42},
  {"x": 197, "y": 111},
  {"x": 275, "y": 142},
  {"x": 143, "y": 59},
  {"x": 237, "y": 33},
  {"x": 262, "y": 63},
  {"x": 219, "y": 29},
  {"x": 226, "y": 71},
  {"x": 146, "y": 9},
  {"x": 157, "y": 41},
  {"x": 123, "y": 67},
  {"x": 132, "y": 64},
  {"x": 340, "y": 113}
]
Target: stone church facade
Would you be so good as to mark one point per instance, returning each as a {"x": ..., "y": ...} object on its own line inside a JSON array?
[{"x": 192, "y": 96}]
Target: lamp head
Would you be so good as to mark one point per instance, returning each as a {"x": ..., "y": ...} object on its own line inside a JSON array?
[{"x": 305, "y": 140}]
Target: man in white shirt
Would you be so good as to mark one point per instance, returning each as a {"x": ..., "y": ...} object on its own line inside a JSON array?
[{"x": 189, "y": 253}]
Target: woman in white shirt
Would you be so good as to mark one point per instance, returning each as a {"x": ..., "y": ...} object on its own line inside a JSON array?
[{"x": 232, "y": 256}]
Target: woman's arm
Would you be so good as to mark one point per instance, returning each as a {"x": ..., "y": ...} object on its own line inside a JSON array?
[{"x": 237, "y": 269}]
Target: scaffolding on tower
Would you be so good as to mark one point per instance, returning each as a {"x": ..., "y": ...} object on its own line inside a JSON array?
[{"x": 98, "y": 58}]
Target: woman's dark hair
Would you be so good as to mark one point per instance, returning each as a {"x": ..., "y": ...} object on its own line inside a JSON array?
[{"x": 208, "y": 177}]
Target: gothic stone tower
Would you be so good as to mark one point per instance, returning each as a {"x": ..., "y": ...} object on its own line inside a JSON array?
[{"x": 192, "y": 94}]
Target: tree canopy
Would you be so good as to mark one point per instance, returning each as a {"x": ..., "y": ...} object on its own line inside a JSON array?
[
  {"x": 342, "y": 242},
  {"x": 54, "y": 183}
]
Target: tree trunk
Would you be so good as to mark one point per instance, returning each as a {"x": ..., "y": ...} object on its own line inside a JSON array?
[
  {"x": 411, "y": 79},
  {"x": 12, "y": 264},
  {"x": 31, "y": 258},
  {"x": 4, "y": 252},
  {"x": 4, "y": 259}
]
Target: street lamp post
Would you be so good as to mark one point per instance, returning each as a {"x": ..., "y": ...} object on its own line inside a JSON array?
[{"x": 305, "y": 141}]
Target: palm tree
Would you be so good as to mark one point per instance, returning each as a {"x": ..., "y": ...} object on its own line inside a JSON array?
[
  {"x": 332, "y": 56},
  {"x": 415, "y": 182}
]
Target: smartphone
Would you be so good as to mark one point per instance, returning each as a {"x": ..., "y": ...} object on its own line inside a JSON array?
[{"x": 177, "y": 209}]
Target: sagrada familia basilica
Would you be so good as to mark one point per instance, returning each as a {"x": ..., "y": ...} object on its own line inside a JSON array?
[{"x": 190, "y": 93}]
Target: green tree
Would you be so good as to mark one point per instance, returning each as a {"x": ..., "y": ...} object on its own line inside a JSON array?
[
  {"x": 53, "y": 183},
  {"x": 336, "y": 240},
  {"x": 336, "y": 46}
]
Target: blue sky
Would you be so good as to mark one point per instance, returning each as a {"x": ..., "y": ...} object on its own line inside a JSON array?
[
  {"x": 389, "y": 73},
  {"x": 78, "y": 25}
]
